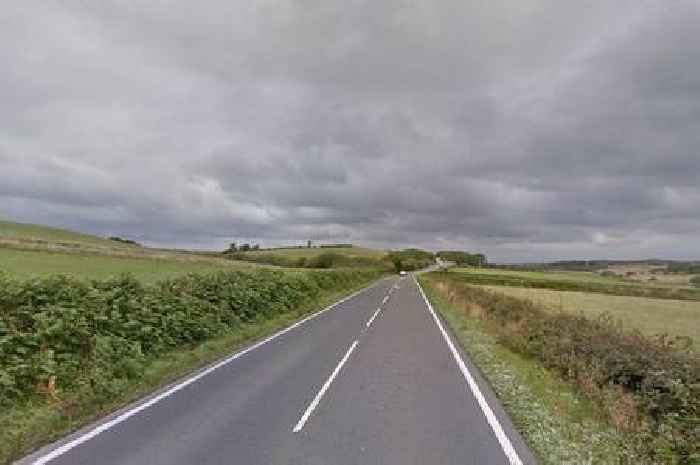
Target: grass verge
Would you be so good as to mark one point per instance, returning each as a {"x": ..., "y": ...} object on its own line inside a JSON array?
[
  {"x": 36, "y": 422},
  {"x": 560, "y": 426}
]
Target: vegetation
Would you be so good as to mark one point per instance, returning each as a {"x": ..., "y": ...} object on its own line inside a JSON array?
[
  {"x": 68, "y": 348},
  {"x": 578, "y": 282},
  {"x": 653, "y": 317},
  {"x": 695, "y": 281},
  {"x": 322, "y": 257},
  {"x": 411, "y": 259},
  {"x": 560, "y": 425},
  {"x": 646, "y": 387},
  {"x": 463, "y": 258}
]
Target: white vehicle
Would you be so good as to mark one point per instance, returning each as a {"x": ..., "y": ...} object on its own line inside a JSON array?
[{"x": 402, "y": 273}]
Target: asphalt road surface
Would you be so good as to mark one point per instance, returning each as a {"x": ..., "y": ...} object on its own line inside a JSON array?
[{"x": 373, "y": 380}]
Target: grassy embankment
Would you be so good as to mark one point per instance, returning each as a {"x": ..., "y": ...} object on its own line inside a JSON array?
[{"x": 596, "y": 374}]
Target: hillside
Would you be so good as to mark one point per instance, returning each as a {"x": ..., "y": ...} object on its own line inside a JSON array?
[{"x": 30, "y": 251}]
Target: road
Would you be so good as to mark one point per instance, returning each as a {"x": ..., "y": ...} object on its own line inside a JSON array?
[{"x": 373, "y": 380}]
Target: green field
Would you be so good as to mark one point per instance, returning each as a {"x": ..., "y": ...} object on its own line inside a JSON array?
[
  {"x": 650, "y": 316},
  {"x": 573, "y": 276},
  {"x": 575, "y": 281},
  {"x": 25, "y": 264}
]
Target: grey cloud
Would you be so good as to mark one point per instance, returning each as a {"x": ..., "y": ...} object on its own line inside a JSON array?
[{"x": 525, "y": 129}]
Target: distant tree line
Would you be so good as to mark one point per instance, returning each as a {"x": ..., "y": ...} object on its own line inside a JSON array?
[
  {"x": 124, "y": 241},
  {"x": 233, "y": 248},
  {"x": 684, "y": 267},
  {"x": 463, "y": 258}
]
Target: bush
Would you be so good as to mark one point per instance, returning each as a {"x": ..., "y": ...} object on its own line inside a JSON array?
[
  {"x": 63, "y": 335},
  {"x": 695, "y": 281},
  {"x": 651, "y": 387},
  {"x": 463, "y": 258},
  {"x": 411, "y": 259}
]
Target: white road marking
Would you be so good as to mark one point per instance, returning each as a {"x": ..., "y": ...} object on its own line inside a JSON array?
[
  {"x": 314, "y": 403},
  {"x": 371, "y": 320},
  {"x": 386, "y": 299},
  {"x": 140, "y": 408},
  {"x": 502, "y": 437}
]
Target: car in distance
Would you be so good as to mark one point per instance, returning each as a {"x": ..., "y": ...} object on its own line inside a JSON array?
[{"x": 402, "y": 273}]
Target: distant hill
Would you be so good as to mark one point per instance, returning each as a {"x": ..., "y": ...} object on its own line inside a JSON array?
[
  {"x": 28, "y": 234},
  {"x": 592, "y": 265}
]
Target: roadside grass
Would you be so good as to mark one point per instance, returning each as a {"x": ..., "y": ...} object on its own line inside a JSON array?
[
  {"x": 651, "y": 316},
  {"x": 37, "y": 422},
  {"x": 560, "y": 426},
  {"x": 27, "y": 264}
]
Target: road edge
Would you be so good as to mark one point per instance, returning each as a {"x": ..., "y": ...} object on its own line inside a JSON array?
[{"x": 519, "y": 453}]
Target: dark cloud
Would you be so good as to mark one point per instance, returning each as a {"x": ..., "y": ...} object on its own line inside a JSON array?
[{"x": 525, "y": 129}]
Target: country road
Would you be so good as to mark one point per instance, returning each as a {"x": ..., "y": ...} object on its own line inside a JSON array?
[{"x": 372, "y": 380}]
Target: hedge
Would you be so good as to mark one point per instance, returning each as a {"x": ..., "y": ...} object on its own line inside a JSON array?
[{"x": 60, "y": 334}]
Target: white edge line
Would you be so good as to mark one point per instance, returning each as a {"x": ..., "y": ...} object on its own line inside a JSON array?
[
  {"x": 371, "y": 320},
  {"x": 314, "y": 403},
  {"x": 501, "y": 436},
  {"x": 139, "y": 408}
]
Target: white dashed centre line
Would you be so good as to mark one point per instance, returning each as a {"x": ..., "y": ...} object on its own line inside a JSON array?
[{"x": 314, "y": 403}]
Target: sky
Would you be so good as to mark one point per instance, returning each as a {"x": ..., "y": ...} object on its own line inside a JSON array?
[{"x": 524, "y": 129}]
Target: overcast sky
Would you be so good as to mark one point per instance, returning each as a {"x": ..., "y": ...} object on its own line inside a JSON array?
[{"x": 525, "y": 129}]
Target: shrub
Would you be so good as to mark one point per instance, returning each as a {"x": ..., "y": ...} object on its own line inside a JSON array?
[
  {"x": 411, "y": 259},
  {"x": 695, "y": 281},
  {"x": 63, "y": 335}
]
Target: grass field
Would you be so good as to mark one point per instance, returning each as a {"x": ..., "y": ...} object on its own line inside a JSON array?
[
  {"x": 650, "y": 316},
  {"x": 575, "y": 281},
  {"x": 32, "y": 263}
]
